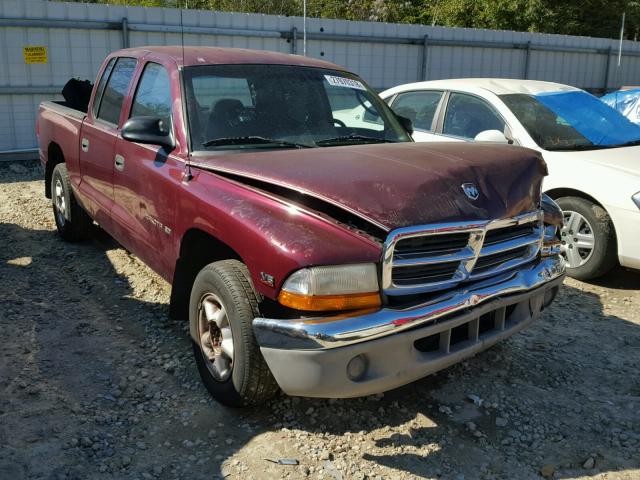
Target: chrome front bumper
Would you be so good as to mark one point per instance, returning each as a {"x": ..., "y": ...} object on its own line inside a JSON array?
[
  {"x": 310, "y": 357},
  {"x": 337, "y": 331}
]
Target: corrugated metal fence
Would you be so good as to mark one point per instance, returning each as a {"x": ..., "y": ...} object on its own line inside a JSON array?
[{"x": 78, "y": 36}]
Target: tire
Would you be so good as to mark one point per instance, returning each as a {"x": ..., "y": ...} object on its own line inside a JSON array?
[
  {"x": 223, "y": 291},
  {"x": 585, "y": 263},
  {"x": 72, "y": 222}
]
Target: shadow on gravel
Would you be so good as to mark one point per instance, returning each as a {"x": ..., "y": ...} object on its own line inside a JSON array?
[
  {"x": 96, "y": 383},
  {"x": 61, "y": 367},
  {"x": 620, "y": 279},
  {"x": 20, "y": 171}
]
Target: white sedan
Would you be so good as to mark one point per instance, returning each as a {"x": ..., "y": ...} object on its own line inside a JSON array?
[{"x": 592, "y": 152}]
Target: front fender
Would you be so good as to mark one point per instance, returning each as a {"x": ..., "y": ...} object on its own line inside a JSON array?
[{"x": 272, "y": 235}]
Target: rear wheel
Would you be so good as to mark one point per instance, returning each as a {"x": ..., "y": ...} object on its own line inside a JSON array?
[
  {"x": 588, "y": 238},
  {"x": 222, "y": 307},
  {"x": 72, "y": 222}
]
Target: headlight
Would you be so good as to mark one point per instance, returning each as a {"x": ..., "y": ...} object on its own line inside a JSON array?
[
  {"x": 551, "y": 233},
  {"x": 553, "y": 219},
  {"x": 335, "y": 287},
  {"x": 636, "y": 199},
  {"x": 551, "y": 244},
  {"x": 552, "y": 211}
]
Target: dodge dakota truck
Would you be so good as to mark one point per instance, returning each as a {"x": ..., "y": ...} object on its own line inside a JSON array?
[{"x": 309, "y": 254}]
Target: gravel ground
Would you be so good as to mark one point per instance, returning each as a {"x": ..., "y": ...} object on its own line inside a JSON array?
[{"x": 97, "y": 382}]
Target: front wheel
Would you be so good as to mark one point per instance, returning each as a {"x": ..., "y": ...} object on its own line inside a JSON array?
[
  {"x": 588, "y": 237},
  {"x": 222, "y": 307}
]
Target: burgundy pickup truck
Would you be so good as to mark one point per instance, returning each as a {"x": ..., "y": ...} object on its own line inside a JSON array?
[{"x": 312, "y": 251}]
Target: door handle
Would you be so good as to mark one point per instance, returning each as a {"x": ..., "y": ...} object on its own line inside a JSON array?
[
  {"x": 119, "y": 162},
  {"x": 85, "y": 144}
]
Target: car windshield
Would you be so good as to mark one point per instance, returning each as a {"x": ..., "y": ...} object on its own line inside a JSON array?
[
  {"x": 572, "y": 120},
  {"x": 235, "y": 107}
]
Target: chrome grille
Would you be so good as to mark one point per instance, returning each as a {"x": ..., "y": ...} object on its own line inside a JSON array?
[
  {"x": 416, "y": 247},
  {"x": 421, "y": 273},
  {"x": 434, "y": 257}
]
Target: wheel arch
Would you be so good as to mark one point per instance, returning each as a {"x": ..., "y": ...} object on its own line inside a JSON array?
[
  {"x": 556, "y": 193},
  {"x": 54, "y": 157},
  {"x": 197, "y": 249}
]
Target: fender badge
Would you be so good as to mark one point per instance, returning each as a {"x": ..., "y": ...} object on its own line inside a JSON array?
[
  {"x": 470, "y": 190},
  {"x": 267, "y": 279}
]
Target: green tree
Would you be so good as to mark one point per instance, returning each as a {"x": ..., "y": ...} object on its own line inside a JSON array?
[{"x": 596, "y": 18}]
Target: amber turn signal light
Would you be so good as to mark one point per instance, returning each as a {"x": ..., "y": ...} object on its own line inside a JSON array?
[{"x": 318, "y": 303}]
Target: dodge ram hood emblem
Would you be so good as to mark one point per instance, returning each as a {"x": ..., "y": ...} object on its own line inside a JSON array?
[{"x": 470, "y": 190}]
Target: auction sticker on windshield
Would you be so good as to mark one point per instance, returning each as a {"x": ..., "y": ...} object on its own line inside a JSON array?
[{"x": 344, "y": 82}]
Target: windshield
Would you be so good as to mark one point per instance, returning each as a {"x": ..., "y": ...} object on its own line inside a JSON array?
[
  {"x": 234, "y": 107},
  {"x": 572, "y": 120}
]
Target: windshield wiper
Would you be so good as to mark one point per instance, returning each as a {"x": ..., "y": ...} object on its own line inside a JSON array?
[
  {"x": 627, "y": 144},
  {"x": 351, "y": 138},
  {"x": 575, "y": 148},
  {"x": 593, "y": 147},
  {"x": 252, "y": 140}
]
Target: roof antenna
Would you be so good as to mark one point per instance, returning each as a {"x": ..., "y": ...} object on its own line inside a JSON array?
[{"x": 188, "y": 175}]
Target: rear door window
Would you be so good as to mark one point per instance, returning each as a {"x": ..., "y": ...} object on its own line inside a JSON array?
[
  {"x": 153, "y": 95},
  {"x": 467, "y": 116},
  {"x": 102, "y": 84},
  {"x": 419, "y": 107},
  {"x": 116, "y": 90}
]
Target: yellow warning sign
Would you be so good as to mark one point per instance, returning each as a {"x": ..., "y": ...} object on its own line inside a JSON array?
[{"x": 34, "y": 54}]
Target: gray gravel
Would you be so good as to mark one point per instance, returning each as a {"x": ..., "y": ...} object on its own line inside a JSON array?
[{"x": 97, "y": 382}]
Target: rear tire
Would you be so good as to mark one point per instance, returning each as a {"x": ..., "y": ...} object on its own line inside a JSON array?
[
  {"x": 72, "y": 222},
  {"x": 589, "y": 238},
  {"x": 222, "y": 307}
]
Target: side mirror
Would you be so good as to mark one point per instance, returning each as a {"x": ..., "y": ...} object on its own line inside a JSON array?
[
  {"x": 150, "y": 130},
  {"x": 493, "y": 136},
  {"x": 406, "y": 123}
]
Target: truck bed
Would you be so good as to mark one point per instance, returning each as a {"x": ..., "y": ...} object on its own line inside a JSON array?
[
  {"x": 59, "y": 125},
  {"x": 64, "y": 108}
]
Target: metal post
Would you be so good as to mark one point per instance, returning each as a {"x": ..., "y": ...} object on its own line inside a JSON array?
[
  {"x": 304, "y": 27},
  {"x": 624, "y": 14},
  {"x": 294, "y": 40},
  {"x": 606, "y": 72},
  {"x": 527, "y": 59},
  {"x": 125, "y": 33},
  {"x": 425, "y": 56}
]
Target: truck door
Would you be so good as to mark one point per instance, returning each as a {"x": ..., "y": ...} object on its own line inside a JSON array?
[
  {"x": 98, "y": 138},
  {"x": 145, "y": 177}
]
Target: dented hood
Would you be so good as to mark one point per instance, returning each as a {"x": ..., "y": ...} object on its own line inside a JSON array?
[{"x": 402, "y": 184}]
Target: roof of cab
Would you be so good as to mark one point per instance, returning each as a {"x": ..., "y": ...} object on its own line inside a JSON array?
[
  {"x": 499, "y": 86},
  {"x": 190, "y": 56}
]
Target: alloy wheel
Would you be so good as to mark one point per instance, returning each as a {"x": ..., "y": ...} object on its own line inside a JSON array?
[
  {"x": 577, "y": 238},
  {"x": 215, "y": 336},
  {"x": 60, "y": 202}
]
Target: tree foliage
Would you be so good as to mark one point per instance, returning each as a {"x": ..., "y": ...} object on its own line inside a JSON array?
[{"x": 596, "y": 18}]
